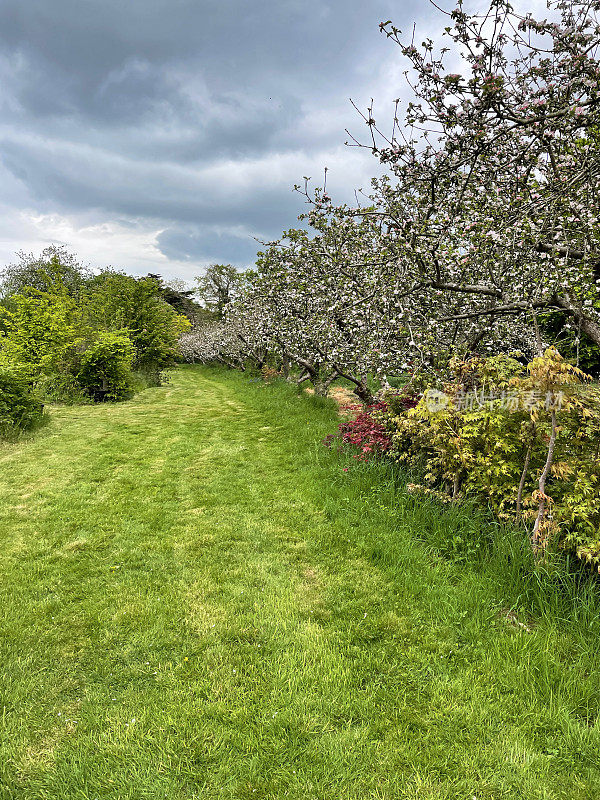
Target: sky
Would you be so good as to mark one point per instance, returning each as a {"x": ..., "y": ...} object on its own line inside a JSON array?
[{"x": 165, "y": 135}]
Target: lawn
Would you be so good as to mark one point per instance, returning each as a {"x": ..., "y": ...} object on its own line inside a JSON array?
[{"x": 199, "y": 601}]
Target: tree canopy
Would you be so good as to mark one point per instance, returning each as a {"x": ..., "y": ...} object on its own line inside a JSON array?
[
  {"x": 55, "y": 269},
  {"x": 219, "y": 285}
]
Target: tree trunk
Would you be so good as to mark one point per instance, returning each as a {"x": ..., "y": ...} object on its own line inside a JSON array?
[
  {"x": 523, "y": 479},
  {"x": 322, "y": 386},
  {"x": 230, "y": 364},
  {"x": 538, "y": 335},
  {"x": 456, "y": 484},
  {"x": 364, "y": 394},
  {"x": 535, "y": 538},
  {"x": 588, "y": 326},
  {"x": 361, "y": 389}
]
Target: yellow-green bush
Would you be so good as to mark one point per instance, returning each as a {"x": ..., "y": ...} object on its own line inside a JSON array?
[
  {"x": 39, "y": 331},
  {"x": 523, "y": 442}
]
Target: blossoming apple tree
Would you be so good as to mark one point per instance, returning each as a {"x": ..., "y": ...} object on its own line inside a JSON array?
[{"x": 494, "y": 185}]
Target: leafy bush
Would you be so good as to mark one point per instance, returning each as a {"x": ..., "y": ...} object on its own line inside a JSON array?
[
  {"x": 364, "y": 433},
  {"x": 135, "y": 307},
  {"x": 39, "y": 332},
  {"x": 20, "y": 409},
  {"x": 525, "y": 444},
  {"x": 401, "y": 400},
  {"x": 75, "y": 337},
  {"x": 103, "y": 368},
  {"x": 367, "y": 432}
]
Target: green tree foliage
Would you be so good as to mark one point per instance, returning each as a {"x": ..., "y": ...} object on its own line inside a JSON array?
[
  {"x": 20, "y": 409},
  {"x": 219, "y": 285},
  {"x": 39, "y": 332},
  {"x": 115, "y": 301},
  {"x": 55, "y": 270},
  {"x": 181, "y": 299},
  {"x": 103, "y": 368},
  {"x": 69, "y": 335}
]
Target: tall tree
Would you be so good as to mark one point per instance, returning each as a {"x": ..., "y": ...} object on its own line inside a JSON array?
[
  {"x": 118, "y": 302},
  {"x": 55, "y": 269},
  {"x": 219, "y": 285},
  {"x": 495, "y": 177},
  {"x": 181, "y": 299}
]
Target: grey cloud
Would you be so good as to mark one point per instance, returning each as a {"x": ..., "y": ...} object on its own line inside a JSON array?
[
  {"x": 95, "y": 55},
  {"x": 201, "y": 244},
  {"x": 83, "y": 179},
  {"x": 154, "y": 110}
]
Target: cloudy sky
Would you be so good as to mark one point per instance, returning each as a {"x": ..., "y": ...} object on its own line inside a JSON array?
[{"x": 163, "y": 135}]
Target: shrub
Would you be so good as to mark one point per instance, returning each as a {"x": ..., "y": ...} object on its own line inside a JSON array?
[
  {"x": 400, "y": 400},
  {"x": 365, "y": 433},
  {"x": 40, "y": 332},
  {"x": 135, "y": 307},
  {"x": 20, "y": 409},
  {"x": 103, "y": 369},
  {"x": 77, "y": 337},
  {"x": 524, "y": 444}
]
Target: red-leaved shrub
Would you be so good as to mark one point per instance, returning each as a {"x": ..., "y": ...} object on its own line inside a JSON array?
[{"x": 365, "y": 433}]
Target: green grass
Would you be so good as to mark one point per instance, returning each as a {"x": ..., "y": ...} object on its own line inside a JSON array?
[{"x": 199, "y": 602}]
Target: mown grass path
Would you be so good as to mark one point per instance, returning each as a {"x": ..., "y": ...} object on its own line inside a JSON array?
[{"x": 198, "y": 602}]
